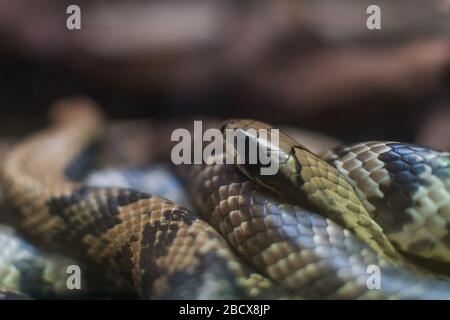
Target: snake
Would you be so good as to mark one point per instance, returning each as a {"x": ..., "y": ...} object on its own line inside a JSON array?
[
  {"x": 402, "y": 193},
  {"x": 27, "y": 271},
  {"x": 309, "y": 232},
  {"x": 39, "y": 274},
  {"x": 162, "y": 249}
]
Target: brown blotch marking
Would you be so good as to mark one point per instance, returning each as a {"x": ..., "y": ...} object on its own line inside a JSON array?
[
  {"x": 183, "y": 215},
  {"x": 156, "y": 239},
  {"x": 446, "y": 239},
  {"x": 124, "y": 258},
  {"x": 390, "y": 221},
  {"x": 211, "y": 271},
  {"x": 159, "y": 237},
  {"x": 102, "y": 204},
  {"x": 395, "y": 243},
  {"x": 391, "y": 211},
  {"x": 420, "y": 246}
]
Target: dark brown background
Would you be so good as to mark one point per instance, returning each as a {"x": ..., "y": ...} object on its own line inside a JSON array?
[{"x": 310, "y": 63}]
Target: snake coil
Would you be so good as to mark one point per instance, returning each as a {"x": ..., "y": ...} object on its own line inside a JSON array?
[{"x": 250, "y": 239}]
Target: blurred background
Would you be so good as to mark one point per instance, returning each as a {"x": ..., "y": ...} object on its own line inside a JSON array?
[{"x": 312, "y": 64}]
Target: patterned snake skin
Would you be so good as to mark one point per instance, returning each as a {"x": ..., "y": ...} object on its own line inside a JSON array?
[
  {"x": 403, "y": 188},
  {"x": 42, "y": 275},
  {"x": 166, "y": 251},
  {"x": 301, "y": 250},
  {"x": 163, "y": 249},
  {"x": 406, "y": 189}
]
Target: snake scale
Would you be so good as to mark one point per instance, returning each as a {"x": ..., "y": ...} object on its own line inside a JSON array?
[
  {"x": 39, "y": 274},
  {"x": 254, "y": 236}
]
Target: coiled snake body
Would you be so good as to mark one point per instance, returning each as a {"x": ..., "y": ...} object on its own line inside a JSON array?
[{"x": 278, "y": 249}]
